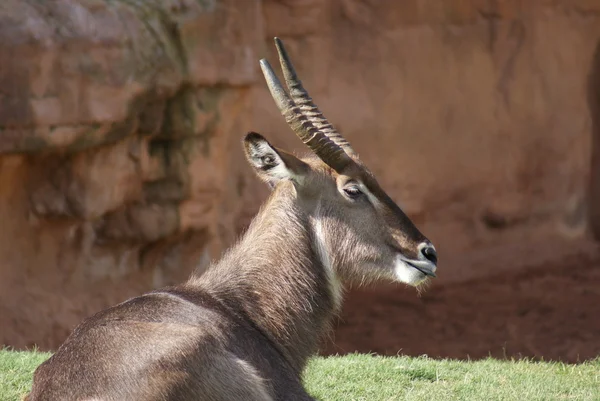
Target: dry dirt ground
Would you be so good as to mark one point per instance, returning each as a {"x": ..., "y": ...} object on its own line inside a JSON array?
[{"x": 549, "y": 311}]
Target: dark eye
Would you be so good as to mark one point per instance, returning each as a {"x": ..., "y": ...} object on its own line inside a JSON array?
[{"x": 353, "y": 191}]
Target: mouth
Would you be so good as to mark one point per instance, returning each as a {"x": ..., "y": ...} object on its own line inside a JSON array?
[
  {"x": 426, "y": 269},
  {"x": 413, "y": 272}
]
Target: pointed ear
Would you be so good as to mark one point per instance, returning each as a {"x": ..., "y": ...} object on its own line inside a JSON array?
[{"x": 270, "y": 164}]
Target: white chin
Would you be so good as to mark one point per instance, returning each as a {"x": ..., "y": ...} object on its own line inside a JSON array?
[{"x": 408, "y": 274}]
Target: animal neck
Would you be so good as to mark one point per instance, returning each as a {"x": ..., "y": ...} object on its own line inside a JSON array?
[{"x": 280, "y": 277}]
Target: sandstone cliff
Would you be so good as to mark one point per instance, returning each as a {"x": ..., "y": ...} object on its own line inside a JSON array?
[{"x": 120, "y": 126}]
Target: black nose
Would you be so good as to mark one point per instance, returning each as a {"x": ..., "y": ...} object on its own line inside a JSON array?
[{"x": 430, "y": 254}]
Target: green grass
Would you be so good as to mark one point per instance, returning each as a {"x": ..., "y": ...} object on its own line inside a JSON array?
[
  {"x": 16, "y": 370},
  {"x": 365, "y": 377}
]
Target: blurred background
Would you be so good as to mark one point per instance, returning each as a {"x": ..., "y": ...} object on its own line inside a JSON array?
[{"x": 121, "y": 167}]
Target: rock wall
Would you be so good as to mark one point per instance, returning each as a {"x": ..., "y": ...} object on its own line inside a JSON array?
[{"x": 120, "y": 125}]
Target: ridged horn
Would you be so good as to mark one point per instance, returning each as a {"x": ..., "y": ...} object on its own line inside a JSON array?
[
  {"x": 327, "y": 150},
  {"x": 303, "y": 100}
]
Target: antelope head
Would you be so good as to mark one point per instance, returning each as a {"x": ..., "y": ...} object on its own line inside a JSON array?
[{"x": 360, "y": 233}]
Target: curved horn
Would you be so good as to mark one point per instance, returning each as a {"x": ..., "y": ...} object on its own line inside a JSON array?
[
  {"x": 301, "y": 97},
  {"x": 327, "y": 150}
]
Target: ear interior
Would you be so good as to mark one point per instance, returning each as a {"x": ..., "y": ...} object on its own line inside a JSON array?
[{"x": 271, "y": 164}]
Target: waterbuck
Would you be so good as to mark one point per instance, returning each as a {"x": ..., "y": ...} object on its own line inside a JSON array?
[{"x": 245, "y": 328}]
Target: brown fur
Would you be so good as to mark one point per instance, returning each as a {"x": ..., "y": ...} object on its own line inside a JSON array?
[{"x": 245, "y": 329}]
